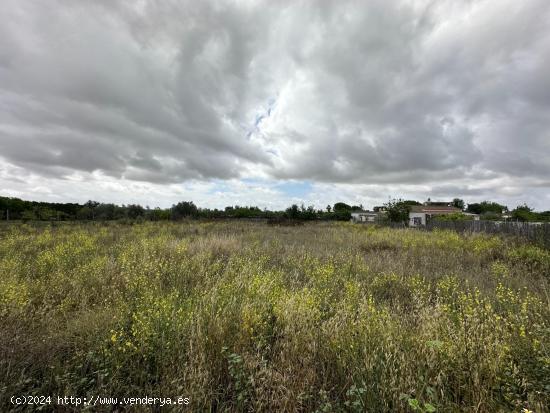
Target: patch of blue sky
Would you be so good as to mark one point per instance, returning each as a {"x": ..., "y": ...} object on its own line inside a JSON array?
[
  {"x": 255, "y": 182},
  {"x": 218, "y": 187},
  {"x": 292, "y": 189},
  {"x": 261, "y": 114},
  {"x": 295, "y": 189}
]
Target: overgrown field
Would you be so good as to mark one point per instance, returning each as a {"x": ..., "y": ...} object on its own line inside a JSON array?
[{"x": 248, "y": 317}]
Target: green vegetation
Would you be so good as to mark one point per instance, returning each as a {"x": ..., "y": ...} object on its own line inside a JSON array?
[
  {"x": 397, "y": 211},
  {"x": 17, "y": 209},
  {"x": 486, "y": 207},
  {"x": 456, "y": 216},
  {"x": 458, "y": 203},
  {"x": 525, "y": 213},
  {"x": 241, "y": 316}
]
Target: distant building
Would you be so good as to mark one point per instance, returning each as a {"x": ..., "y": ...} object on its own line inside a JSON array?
[
  {"x": 421, "y": 214},
  {"x": 366, "y": 216}
]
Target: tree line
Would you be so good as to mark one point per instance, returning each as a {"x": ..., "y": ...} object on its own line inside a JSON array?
[
  {"x": 18, "y": 209},
  {"x": 396, "y": 210}
]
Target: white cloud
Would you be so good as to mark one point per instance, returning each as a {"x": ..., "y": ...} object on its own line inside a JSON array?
[{"x": 140, "y": 99}]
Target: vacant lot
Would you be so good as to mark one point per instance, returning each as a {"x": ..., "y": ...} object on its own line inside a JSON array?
[{"x": 249, "y": 317}]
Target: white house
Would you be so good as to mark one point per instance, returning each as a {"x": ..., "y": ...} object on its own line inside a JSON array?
[
  {"x": 421, "y": 214},
  {"x": 365, "y": 216}
]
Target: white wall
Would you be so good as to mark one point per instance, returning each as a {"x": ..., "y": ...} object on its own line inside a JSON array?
[
  {"x": 420, "y": 215},
  {"x": 359, "y": 217}
]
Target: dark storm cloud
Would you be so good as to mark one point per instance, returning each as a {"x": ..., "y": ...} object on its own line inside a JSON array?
[
  {"x": 345, "y": 92},
  {"x": 82, "y": 92}
]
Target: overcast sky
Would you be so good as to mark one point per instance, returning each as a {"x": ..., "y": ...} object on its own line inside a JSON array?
[{"x": 271, "y": 103}]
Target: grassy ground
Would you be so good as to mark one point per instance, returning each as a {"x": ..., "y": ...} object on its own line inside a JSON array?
[{"x": 247, "y": 317}]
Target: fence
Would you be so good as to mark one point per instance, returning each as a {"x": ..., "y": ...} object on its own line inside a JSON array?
[{"x": 534, "y": 231}]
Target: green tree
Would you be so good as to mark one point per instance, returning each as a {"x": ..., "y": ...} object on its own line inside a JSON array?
[
  {"x": 134, "y": 211},
  {"x": 292, "y": 212},
  {"x": 105, "y": 211},
  {"x": 458, "y": 203},
  {"x": 486, "y": 206},
  {"x": 398, "y": 210},
  {"x": 28, "y": 215},
  {"x": 308, "y": 213},
  {"x": 341, "y": 206},
  {"x": 184, "y": 209},
  {"x": 85, "y": 213},
  {"x": 524, "y": 213}
]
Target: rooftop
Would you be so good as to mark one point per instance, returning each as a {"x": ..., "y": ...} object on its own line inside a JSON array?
[{"x": 435, "y": 209}]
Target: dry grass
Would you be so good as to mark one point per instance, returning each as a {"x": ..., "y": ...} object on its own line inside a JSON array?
[{"x": 322, "y": 317}]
